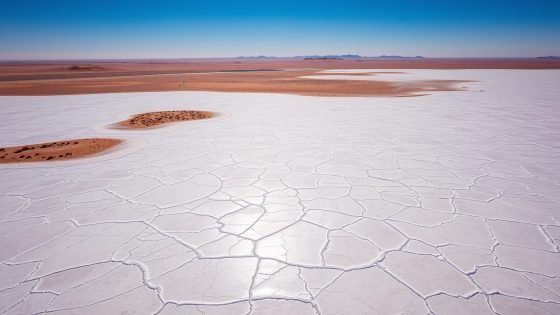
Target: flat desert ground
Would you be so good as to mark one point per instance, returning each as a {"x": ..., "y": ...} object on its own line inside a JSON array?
[{"x": 437, "y": 193}]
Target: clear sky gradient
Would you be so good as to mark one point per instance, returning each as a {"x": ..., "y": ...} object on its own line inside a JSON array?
[{"x": 182, "y": 29}]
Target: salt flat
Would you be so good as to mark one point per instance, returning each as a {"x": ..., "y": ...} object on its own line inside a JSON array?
[{"x": 443, "y": 204}]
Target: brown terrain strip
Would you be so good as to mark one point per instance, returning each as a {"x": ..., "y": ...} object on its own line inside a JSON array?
[
  {"x": 259, "y": 76},
  {"x": 288, "y": 81},
  {"x": 59, "y": 150},
  {"x": 155, "y": 119}
]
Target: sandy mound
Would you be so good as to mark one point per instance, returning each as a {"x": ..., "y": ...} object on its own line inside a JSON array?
[
  {"x": 85, "y": 68},
  {"x": 154, "y": 119},
  {"x": 59, "y": 150}
]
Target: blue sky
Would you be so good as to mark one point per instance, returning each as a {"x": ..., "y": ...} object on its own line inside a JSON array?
[{"x": 181, "y": 29}]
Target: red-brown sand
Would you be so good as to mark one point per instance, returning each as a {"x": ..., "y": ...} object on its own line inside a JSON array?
[
  {"x": 156, "y": 119},
  {"x": 58, "y": 150},
  {"x": 277, "y": 76},
  {"x": 288, "y": 81}
]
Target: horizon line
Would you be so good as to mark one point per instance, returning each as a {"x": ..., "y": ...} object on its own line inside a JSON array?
[{"x": 379, "y": 58}]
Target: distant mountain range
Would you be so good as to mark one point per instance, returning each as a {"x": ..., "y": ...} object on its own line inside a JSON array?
[
  {"x": 549, "y": 57},
  {"x": 331, "y": 57}
]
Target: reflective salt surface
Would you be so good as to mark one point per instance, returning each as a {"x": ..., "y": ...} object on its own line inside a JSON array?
[{"x": 445, "y": 204}]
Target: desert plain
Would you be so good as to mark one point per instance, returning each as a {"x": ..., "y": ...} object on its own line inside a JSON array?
[{"x": 281, "y": 187}]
